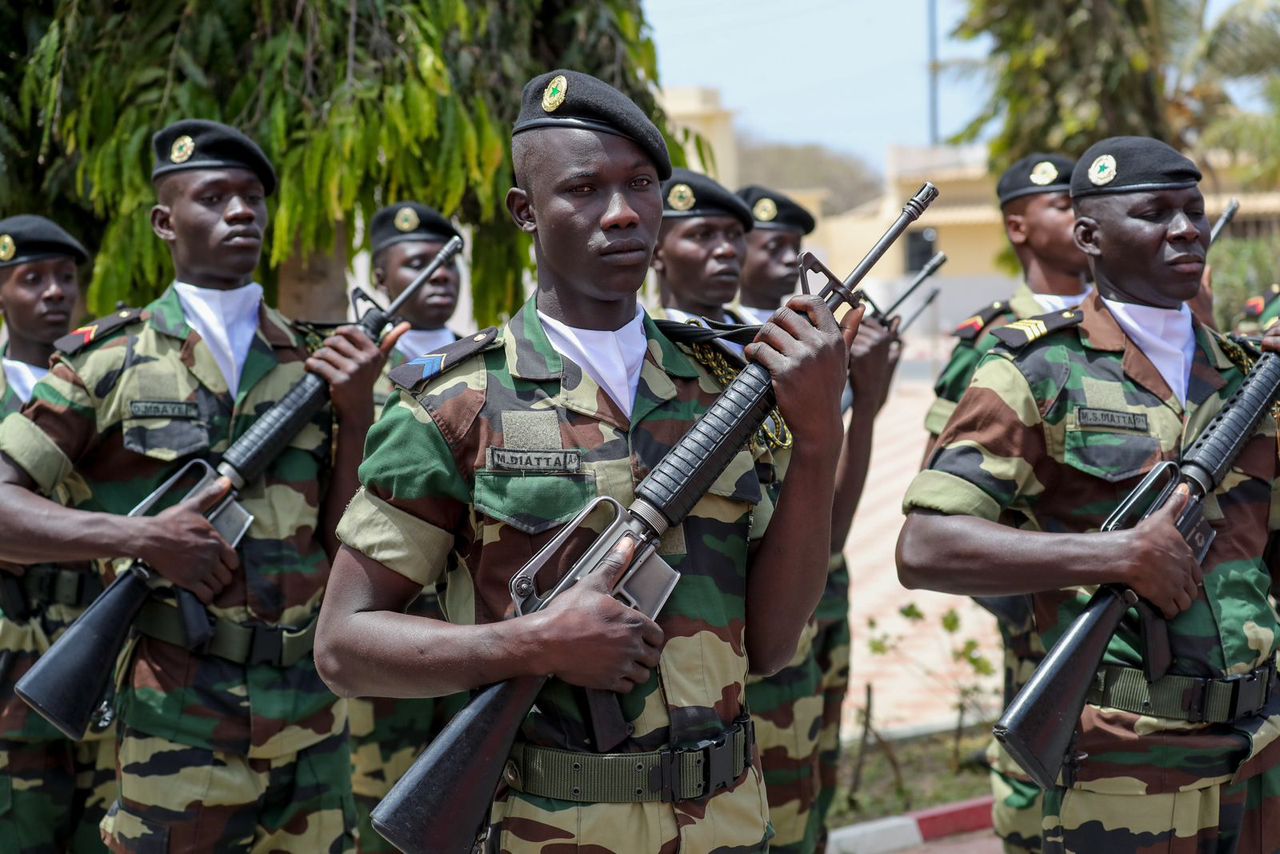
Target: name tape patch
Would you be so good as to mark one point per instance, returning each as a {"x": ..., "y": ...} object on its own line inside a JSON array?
[
  {"x": 513, "y": 459},
  {"x": 1111, "y": 418},
  {"x": 163, "y": 409}
]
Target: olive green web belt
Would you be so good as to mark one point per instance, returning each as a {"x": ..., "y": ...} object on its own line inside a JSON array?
[
  {"x": 1183, "y": 698},
  {"x": 45, "y": 584},
  {"x": 659, "y": 775},
  {"x": 243, "y": 644}
]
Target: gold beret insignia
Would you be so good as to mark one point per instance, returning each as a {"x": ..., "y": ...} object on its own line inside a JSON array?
[
  {"x": 407, "y": 219},
  {"x": 1102, "y": 170},
  {"x": 7, "y": 247},
  {"x": 765, "y": 210},
  {"x": 681, "y": 197},
  {"x": 182, "y": 149},
  {"x": 1043, "y": 173},
  {"x": 553, "y": 95}
]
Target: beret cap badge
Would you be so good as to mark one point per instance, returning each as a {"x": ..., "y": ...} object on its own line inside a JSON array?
[
  {"x": 1102, "y": 170},
  {"x": 553, "y": 96},
  {"x": 407, "y": 219},
  {"x": 1044, "y": 173},
  {"x": 765, "y": 210},
  {"x": 681, "y": 197},
  {"x": 7, "y": 247},
  {"x": 182, "y": 149}
]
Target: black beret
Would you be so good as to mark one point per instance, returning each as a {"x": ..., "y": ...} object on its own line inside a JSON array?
[
  {"x": 409, "y": 221},
  {"x": 28, "y": 238},
  {"x": 1035, "y": 174},
  {"x": 200, "y": 144},
  {"x": 689, "y": 194},
  {"x": 776, "y": 211},
  {"x": 571, "y": 99},
  {"x": 1131, "y": 164}
]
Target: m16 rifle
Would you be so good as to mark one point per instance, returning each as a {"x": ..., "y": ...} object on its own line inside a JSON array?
[
  {"x": 931, "y": 266},
  {"x": 66, "y": 685},
  {"x": 1224, "y": 221},
  {"x": 442, "y": 801},
  {"x": 928, "y": 301},
  {"x": 1038, "y": 729}
]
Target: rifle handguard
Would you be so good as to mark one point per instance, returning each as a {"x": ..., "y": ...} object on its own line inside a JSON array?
[{"x": 1210, "y": 457}]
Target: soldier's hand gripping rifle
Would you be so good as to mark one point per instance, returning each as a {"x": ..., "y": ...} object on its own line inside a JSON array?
[
  {"x": 443, "y": 800},
  {"x": 66, "y": 685},
  {"x": 1223, "y": 221},
  {"x": 1038, "y": 729}
]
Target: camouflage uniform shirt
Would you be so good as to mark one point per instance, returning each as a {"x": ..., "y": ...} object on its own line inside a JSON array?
[
  {"x": 1027, "y": 447},
  {"x": 96, "y": 416},
  {"x": 441, "y": 500}
]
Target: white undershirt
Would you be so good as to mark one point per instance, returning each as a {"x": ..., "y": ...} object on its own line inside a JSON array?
[
  {"x": 417, "y": 342},
  {"x": 612, "y": 358},
  {"x": 226, "y": 320},
  {"x": 759, "y": 315},
  {"x": 1058, "y": 302},
  {"x": 23, "y": 377},
  {"x": 1165, "y": 335}
]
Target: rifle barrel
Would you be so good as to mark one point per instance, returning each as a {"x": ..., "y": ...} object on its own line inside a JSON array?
[
  {"x": 1223, "y": 221},
  {"x": 933, "y": 295},
  {"x": 926, "y": 271}
]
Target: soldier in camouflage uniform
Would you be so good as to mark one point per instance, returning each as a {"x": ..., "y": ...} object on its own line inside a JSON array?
[
  {"x": 241, "y": 747},
  {"x": 1062, "y": 419},
  {"x": 494, "y": 443},
  {"x": 1260, "y": 312},
  {"x": 53, "y": 792},
  {"x": 388, "y": 733},
  {"x": 1038, "y": 218}
]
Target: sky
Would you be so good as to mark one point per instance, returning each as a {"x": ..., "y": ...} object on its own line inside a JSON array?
[{"x": 848, "y": 74}]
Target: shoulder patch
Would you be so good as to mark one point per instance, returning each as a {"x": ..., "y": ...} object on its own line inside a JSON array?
[
  {"x": 78, "y": 339},
  {"x": 430, "y": 365},
  {"x": 1255, "y": 306},
  {"x": 972, "y": 327},
  {"x": 1022, "y": 332}
]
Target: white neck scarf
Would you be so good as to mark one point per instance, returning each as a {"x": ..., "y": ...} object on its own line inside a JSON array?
[
  {"x": 759, "y": 315},
  {"x": 417, "y": 342},
  {"x": 226, "y": 321},
  {"x": 612, "y": 359},
  {"x": 23, "y": 377},
  {"x": 1058, "y": 302},
  {"x": 1165, "y": 335}
]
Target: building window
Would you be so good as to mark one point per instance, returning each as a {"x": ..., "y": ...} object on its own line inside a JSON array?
[{"x": 920, "y": 248}]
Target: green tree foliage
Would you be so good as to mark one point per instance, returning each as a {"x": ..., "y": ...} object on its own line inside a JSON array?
[
  {"x": 358, "y": 103},
  {"x": 1242, "y": 268}
]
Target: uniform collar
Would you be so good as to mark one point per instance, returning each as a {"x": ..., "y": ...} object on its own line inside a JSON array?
[
  {"x": 166, "y": 317},
  {"x": 1023, "y": 302}
]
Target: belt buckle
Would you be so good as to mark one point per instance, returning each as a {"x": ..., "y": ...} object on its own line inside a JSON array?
[
  {"x": 266, "y": 645},
  {"x": 1251, "y": 682}
]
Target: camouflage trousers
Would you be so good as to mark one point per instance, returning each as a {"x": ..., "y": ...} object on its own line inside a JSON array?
[
  {"x": 831, "y": 650},
  {"x": 787, "y": 708},
  {"x": 386, "y": 736},
  {"x": 174, "y": 797},
  {"x": 1016, "y": 811},
  {"x": 53, "y": 794},
  {"x": 1232, "y": 818}
]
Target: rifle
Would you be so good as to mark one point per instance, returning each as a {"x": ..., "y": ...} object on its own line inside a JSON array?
[
  {"x": 66, "y": 685},
  {"x": 1224, "y": 221},
  {"x": 441, "y": 802},
  {"x": 930, "y": 267},
  {"x": 928, "y": 301},
  {"x": 1038, "y": 729}
]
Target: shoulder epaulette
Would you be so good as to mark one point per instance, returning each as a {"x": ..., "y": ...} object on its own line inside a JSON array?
[
  {"x": 430, "y": 365},
  {"x": 972, "y": 327},
  {"x": 1255, "y": 306},
  {"x": 76, "y": 340},
  {"x": 1022, "y": 332}
]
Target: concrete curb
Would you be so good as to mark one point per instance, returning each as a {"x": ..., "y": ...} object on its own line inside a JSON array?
[{"x": 885, "y": 835}]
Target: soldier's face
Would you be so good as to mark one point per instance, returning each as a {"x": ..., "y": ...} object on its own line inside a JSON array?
[
  {"x": 1046, "y": 226},
  {"x": 771, "y": 265},
  {"x": 593, "y": 204},
  {"x": 434, "y": 303},
  {"x": 37, "y": 298},
  {"x": 700, "y": 259},
  {"x": 1147, "y": 248},
  {"x": 213, "y": 221}
]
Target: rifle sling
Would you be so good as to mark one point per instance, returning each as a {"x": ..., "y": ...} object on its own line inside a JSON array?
[
  {"x": 244, "y": 644},
  {"x": 658, "y": 775},
  {"x": 46, "y": 584},
  {"x": 1183, "y": 698}
]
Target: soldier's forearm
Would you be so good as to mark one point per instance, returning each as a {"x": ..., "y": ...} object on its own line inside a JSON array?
[
  {"x": 851, "y": 472},
  {"x": 34, "y": 529},
  {"x": 788, "y": 571},
  {"x": 969, "y": 556}
]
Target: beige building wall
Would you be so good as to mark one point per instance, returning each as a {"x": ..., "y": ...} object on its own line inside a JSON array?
[{"x": 698, "y": 110}]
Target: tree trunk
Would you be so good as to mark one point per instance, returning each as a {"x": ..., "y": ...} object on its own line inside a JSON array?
[{"x": 313, "y": 286}]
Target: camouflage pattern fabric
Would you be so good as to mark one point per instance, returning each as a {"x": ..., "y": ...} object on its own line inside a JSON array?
[
  {"x": 831, "y": 648},
  {"x": 1027, "y": 446},
  {"x": 9, "y": 400},
  {"x": 439, "y": 498},
  {"x": 122, "y": 412},
  {"x": 382, "y": 388},
  {"x": 54, "y": 793},
  {"x": 176, "y": 797}
]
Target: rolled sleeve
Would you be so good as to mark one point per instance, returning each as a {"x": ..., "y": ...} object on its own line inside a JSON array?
[
  {"x": 943, "y": 492},
  {"x": 34, "y": 452},
  {"x": 396, "y": 539}
]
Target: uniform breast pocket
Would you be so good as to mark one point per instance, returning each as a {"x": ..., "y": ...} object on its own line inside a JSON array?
[
  {"x": 165, "y": 438},
  {"x": 532, "y": 503},
  {"x": 1112, "y": 455}
]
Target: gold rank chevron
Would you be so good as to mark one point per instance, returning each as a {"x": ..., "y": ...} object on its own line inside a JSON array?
[{"x": 1032, "y": 327}]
